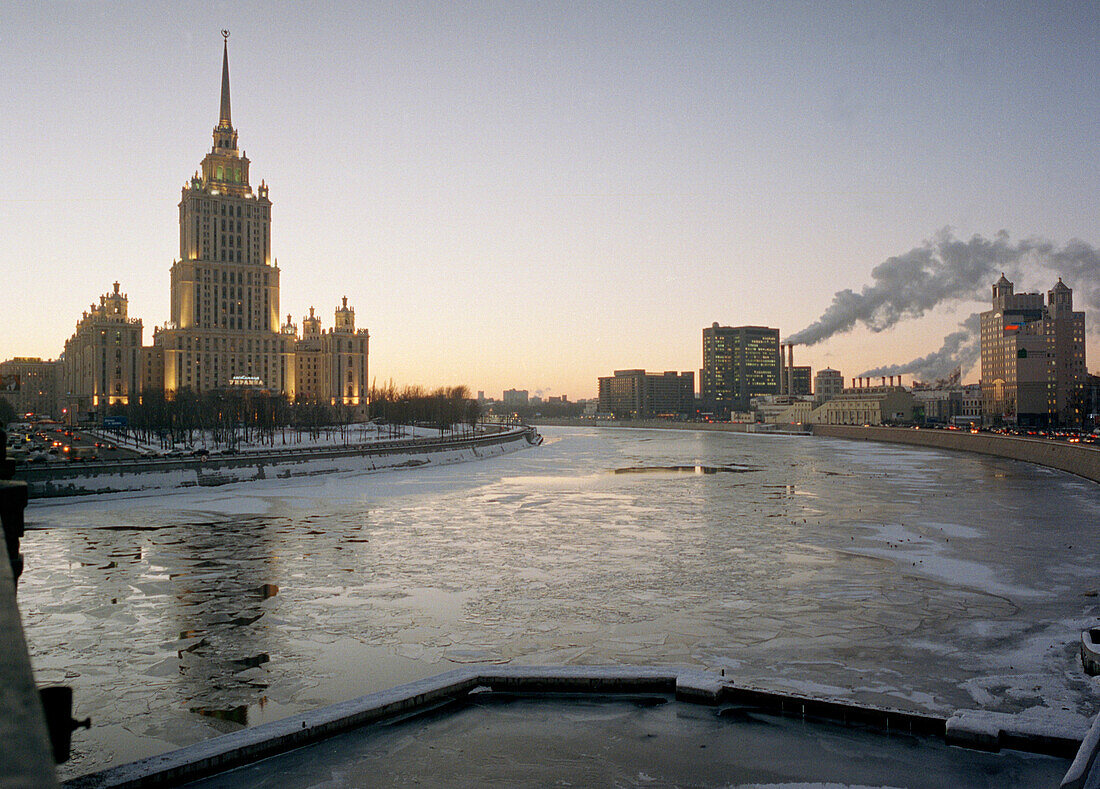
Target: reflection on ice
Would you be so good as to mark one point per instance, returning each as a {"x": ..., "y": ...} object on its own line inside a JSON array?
[{"x": 902, "y": 577}]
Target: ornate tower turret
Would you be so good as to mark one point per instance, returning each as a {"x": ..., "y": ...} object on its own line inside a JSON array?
[
  {"x": 311, "y": 326},
  {"x": 345, "y": 318},
  {"x": 1060, "y": 300},
  {"x": 1002, "y": 289}
]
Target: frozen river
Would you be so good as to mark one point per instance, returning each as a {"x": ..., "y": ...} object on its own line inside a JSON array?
[{"x": 907, "y": 577}]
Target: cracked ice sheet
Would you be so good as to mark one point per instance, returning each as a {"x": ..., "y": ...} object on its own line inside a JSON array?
[{"x": 796, "y": 575}]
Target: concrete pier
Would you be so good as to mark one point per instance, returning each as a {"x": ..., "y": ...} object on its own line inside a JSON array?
[{"x": 966, "y": 728}]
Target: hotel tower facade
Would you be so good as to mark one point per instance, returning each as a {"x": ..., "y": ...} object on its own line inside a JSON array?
[{"x": 224, "y": 326}]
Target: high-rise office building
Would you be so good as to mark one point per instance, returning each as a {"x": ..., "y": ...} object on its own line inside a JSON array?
[
  {"x": 1033, "y": 357},
  {"x": 739, "y": 363}
]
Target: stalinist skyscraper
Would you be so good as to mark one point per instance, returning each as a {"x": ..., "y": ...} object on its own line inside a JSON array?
[
  {"x": 224, "y": 325},
  {"x": 224, "y": 328}
]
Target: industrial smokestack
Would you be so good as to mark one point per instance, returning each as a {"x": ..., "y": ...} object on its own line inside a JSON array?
[
  {"x": 949, "y": 270},
  {"x": 790, "y": 369},
  {"x": 782, "y": 384},
  {"x": 786, "y": 388}
]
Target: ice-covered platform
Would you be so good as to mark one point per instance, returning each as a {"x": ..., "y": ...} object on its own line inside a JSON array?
[{"x": 610, "y": 724}]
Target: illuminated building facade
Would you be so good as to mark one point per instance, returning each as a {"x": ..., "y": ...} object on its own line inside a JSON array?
[
  {"x": 224, "y": 324},
  {"x": 223, "y": 329},
  {"x": 225, "y": 288},
  {"x": 101, "y": 365},
  {"x": 739, "y": 363}
]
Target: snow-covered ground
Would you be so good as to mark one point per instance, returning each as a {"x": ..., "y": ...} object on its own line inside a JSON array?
[{"x": 135, "y": 476}]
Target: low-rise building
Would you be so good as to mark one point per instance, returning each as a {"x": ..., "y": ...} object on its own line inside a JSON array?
[
  {"x": 867, "y": 406},
  {"x": 635, "y": 394},
  {"x": 798, "y": 411},
  {"x": 29, "y": 384}
]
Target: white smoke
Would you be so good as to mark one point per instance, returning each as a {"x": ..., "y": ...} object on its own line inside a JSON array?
[
  {"x": 945, "y": 271},
  {"x": 960, "y": 349}
]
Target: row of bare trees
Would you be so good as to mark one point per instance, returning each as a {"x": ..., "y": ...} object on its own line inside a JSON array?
[
  {"x": 227, "y": 417},
  {"x": 444, "y": 408}
]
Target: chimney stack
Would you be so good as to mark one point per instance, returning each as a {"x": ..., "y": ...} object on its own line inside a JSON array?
[
  {"x": 786, "y": 373},
  {"x": 790, "y": 375}
]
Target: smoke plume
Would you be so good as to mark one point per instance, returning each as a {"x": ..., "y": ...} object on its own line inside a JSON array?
[
  {"x": 945, "y": 271},
  {"x": 960, "y": 349}
]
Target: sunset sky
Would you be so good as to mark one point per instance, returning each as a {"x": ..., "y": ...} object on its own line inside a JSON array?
[{"x": 532, "y": 195}]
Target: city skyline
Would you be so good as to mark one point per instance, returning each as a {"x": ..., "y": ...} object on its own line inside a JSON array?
[{"x": 527, "y": 197}]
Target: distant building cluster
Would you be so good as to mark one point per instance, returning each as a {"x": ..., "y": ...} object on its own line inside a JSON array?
[
  {"x": 224, "y": 329},
  {"x": 1032, "y": 374}
]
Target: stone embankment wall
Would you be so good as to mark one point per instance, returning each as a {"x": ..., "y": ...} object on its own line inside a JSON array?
[
  {"x": 75, "y": 479},
  {"x": 1084, "y": 461}
]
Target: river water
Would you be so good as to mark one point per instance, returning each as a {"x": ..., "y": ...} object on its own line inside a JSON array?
[{"x": 907, "y": 577}]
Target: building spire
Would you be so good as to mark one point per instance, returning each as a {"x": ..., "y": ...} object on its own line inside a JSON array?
[{"x": 225, "y": 119}]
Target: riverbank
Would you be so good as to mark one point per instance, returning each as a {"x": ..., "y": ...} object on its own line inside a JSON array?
[
  {"x": 1074, "y": 458},
  {"x": 163, "y": 473}
]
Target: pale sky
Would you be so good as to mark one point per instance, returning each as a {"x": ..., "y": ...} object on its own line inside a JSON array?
[{"x": 532, "y": 195}]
